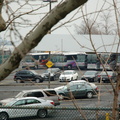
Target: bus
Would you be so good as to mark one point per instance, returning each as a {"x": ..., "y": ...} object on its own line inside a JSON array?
[
  {"x": 93, "y": 61},
  {"x": 69, "y": 60},
  {"x": 114, "y": 61},
  {"x": 35, "y": 60}
]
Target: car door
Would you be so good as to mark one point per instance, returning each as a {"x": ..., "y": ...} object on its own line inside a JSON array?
[
  {"x": 19, "y": 112},
  {"x": 74, "y": 75},
  {"x": 32, "y": 103},
  {"x": 81, "y": 90},
  {"x": 71, "y": 91},
  {"x": 29, "y": 75}
]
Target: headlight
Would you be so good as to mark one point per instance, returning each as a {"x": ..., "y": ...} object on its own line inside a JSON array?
[{"x": 51, "y": 74}]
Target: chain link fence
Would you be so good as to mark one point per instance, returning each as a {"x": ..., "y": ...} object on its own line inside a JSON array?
[{"x": 57, "y": 113}]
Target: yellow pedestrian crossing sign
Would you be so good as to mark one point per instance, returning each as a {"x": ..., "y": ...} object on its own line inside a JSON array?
[{"x": 49, "y": 64}]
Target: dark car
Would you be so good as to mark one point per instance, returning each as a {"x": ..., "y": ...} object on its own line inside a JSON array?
[
  {"x": 27, "y": 75},
  {"x": 90, "y": 76},
  {"x": 52, "y": 73},
  {"x": 106, "y": 76},
  {"x": 77, "y": 89}
]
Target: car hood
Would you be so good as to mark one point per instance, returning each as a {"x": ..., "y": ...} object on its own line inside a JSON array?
[
  {"x": 93, "y": 85},
  {"x": 65, "y": 75},
  {"x": 88, "y": 76},
  {"x": 58, "y": 88}
]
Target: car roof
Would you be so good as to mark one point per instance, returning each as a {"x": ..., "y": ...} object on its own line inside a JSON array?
[
  {"x": 78, "y": 81},
  {"x": 34, "y": 90},
  {"x": 28, "y": 98},
  {"x": 91, "y": 71},
  {"x": 53, "y": 68},
  {"x": 68, "y": 70}
]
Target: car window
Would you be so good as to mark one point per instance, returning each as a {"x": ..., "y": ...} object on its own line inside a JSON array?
[
  {"x": 74, "y": 87},
  {"x": 81, "y": 86},
  {"x": 34, "y": 94},
  {"x": 38, "y": 94},
  {"x": 32, "y": 101},
  {"x": 20, "y": 102},
  {"x": 29, "y": 72},
  {"x": 50, "y": 93}
]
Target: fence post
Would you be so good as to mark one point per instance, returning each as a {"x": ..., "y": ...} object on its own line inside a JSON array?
[{"x": 107, "y": 116}]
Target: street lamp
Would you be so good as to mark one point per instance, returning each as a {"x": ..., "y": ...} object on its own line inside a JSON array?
[{"x": 50, "y": 1}]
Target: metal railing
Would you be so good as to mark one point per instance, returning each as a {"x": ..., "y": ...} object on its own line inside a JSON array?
[{"x": 63, "y": 113}]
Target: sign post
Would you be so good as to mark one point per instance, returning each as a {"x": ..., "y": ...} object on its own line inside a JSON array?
[{"x": 49, "y": 64}]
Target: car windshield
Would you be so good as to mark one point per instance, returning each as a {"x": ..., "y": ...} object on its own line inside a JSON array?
[
  {"x": 65, "y": 87},
  {"x": 90, "y": 72},
  {"x": 9, "y": 103},
  {"x": 33, "y": 72},
  {"x": 48, "y": 71},
  {"x": 19, "y": 95},
  {"x": 104, "y": 73},
  {"x": 67, "y": 73}
]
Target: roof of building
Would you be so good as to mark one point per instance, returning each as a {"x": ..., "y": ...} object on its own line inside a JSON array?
[{"x": 81, "y": 43}]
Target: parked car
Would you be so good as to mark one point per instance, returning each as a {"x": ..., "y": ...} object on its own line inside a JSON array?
[
  {"x": 68, "y": 75},
  {"x": 53, "y": 73},
  {"x": 90, "y": 76},
  {"x": 47, "y": 94},
  {"x": 27, "y": 75},
  {"x": 6, "y": 113},
  {"x": 77, "y": 89},
  {"x": 106, "y": 76}
]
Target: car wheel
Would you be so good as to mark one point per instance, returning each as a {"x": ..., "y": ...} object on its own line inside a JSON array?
[
  {"x": 89, "y": 95},
  {"x": 18, "y": 81},
  {"x": 114, "y": 81},
  {"x": 69, "y": 67},
  {"x": 77, "y": 78},
  {"x": 3, "y": 116},
  {"x": 42, "y": 113},
  {"x": 72, "y": 79},
  {"x": 37, "y": 80}
]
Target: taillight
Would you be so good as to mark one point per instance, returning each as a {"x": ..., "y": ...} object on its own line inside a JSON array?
[
  {"x": 98, "y": 75},
  {"x": 96, "y": 88},
  {"x": 52, "y": 103},
  {"x": 109, "y": 76}
]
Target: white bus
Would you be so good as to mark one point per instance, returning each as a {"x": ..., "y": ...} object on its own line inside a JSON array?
[{"x": 69, "y": 60}]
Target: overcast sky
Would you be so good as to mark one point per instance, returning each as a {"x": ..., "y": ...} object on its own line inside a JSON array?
[{"x": 89, "y": 7}]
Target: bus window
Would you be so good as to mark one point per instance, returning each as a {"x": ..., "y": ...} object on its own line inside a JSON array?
[
  {"x": 92, "y": 61},
  {"x": 82, "y": 61}
]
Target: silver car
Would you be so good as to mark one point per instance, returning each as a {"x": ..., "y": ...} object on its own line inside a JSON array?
[
  {"x": 11, "y": 109},
  {"x": 46, "y": 94}
]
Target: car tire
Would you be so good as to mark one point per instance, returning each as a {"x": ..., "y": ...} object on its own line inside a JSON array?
[
  {"x": 77, "y": 78},
  {"x": 72, "y": 79},
  {"x": 38, "y": 80},
  {"x": 3, "y": 116},
  {"x": 89, "y": 95},
  {"x": 42, "y": 113},
  {"x": 114, "y": 81},
  {"x": 18, "y": 80},
  {"x": 69, "y": 67}
]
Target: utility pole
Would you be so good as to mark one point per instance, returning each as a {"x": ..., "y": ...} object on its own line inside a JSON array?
[{"x": 50, "y": 2}]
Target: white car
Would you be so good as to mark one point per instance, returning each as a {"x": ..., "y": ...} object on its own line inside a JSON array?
[
  {"x": 68, "y": 75},
  {"x": 24, "y": 107},
  {"x": 46, "y": 94}
]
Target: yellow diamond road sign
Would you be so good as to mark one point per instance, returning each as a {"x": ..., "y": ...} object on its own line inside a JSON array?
[{"x": 49, "y": 64}]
